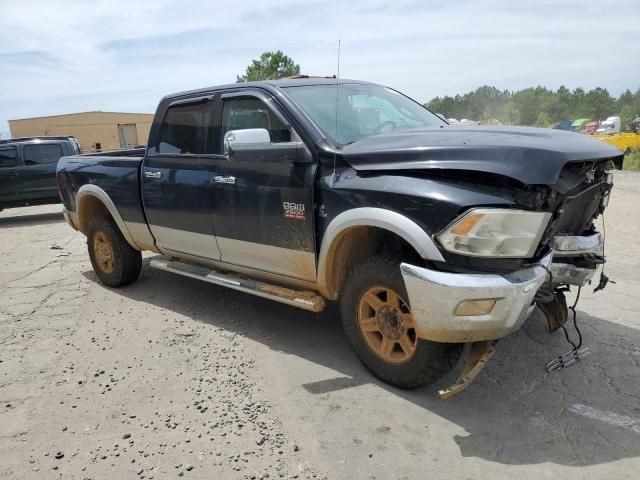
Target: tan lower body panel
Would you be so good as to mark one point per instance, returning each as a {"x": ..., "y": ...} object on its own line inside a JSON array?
[
  {"x": 267, "y": 258},
  {"x": 141, "y": 236},
  {"x": 282, "y": 261}
]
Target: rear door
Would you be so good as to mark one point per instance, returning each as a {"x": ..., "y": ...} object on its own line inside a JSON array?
[
  {"x": 175, "y": 180},
  {"x": 9, "y": 163},
  {"x": 263, "y": 202},
  {"x": 37, "y": 175}
]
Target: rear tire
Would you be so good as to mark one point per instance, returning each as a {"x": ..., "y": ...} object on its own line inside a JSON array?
[
  {"x": 409, "y": 362},
  {"x": 115, "y": 262}
]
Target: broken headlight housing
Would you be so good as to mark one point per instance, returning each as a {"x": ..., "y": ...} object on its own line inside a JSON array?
[{"x": 495, "y": 232}]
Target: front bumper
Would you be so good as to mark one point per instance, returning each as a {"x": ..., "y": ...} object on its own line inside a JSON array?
[{"x": 435, "y": 296}]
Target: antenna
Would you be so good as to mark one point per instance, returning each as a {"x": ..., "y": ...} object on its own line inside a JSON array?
[{"x": 335, "y": 148}]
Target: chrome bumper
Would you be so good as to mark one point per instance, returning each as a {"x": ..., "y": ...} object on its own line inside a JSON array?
[
  {"x": 435, "y": 296},
  {"x": 571, "y": 245},
  {"x": 564, "y": 247},
  {"x": 568, "y": 274}
]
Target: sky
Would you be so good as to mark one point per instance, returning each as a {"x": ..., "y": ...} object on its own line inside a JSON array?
[{"x": 64, "y": 56}]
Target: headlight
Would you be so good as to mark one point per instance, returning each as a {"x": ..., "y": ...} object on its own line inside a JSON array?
[{"x": 495, "y": 232}]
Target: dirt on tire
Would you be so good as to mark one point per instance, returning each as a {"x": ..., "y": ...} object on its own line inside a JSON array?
[
  {"x": 126, "y": 261},
  {"x": 431, "y": 359}
]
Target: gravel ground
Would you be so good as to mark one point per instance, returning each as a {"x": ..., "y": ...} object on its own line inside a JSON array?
[{"x": 172, "y": 378}]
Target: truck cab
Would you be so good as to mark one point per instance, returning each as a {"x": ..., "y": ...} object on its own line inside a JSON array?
[
  {"x": 591, "y": 127},
  {"x": 610, "y": 126}
]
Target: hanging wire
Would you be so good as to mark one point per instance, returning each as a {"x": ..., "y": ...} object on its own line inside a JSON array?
[{"x": 572, "y": 308}]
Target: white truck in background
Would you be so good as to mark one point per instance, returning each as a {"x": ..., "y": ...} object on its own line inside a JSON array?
[{"x": 610, "y": 126}]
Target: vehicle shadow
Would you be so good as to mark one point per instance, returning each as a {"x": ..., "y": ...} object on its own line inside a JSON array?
[
  {"x": 31, "y": 219},
  {"x": 514, "y": 413}
]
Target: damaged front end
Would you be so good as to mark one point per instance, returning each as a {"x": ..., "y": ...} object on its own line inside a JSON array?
[
  {"x": 578, "y": 247},
  {"x": 480, "y": 308},
  {"x": 513, "y": 214}
]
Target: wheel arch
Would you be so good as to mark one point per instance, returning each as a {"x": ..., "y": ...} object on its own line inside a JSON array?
[
  {"x": 91, "y": 200},
  {"x": 354, "y": 227}
]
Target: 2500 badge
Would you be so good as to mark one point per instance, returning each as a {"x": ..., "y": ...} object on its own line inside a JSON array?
[{"x": 293, "y": 210}]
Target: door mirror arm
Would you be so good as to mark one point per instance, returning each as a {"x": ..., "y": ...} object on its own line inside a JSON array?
[{"x": 228, "y": 150}]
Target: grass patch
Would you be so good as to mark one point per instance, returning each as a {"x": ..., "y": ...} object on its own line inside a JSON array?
[{"x": 632, "y": 161}]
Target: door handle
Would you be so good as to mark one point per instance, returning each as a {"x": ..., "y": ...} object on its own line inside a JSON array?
[
  {"x": 224, "y": 179},
  {"x": 149, "y": 174}
]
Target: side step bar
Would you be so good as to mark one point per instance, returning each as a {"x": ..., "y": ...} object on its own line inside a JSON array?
[{"x": 306, "y": 300}]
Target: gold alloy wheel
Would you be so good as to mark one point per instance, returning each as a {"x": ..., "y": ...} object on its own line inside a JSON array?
[
  {"x": 387, "y": 325},
  {"x": 103, "y": 252}
]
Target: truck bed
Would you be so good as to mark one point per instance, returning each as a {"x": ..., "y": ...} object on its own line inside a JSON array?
[{"x": 116, "y": 172}]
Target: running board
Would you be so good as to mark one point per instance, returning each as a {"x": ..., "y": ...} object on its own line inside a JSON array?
[{"x": 306, "y": 300}]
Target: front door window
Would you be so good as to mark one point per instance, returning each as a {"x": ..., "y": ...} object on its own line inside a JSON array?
[{"x": 248, "y": 113}]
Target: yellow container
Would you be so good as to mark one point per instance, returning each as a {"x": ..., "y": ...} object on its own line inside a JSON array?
[{"x": 624, "y": 141}]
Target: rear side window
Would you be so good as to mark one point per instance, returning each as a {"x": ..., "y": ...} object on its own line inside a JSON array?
[
  {"x": 8, "y": 157},
  {"x": 186, "y": 128},
  {"x": 42, "y": 153}
]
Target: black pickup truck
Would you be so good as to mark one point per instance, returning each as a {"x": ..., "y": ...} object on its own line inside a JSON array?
[
  {"x": 429, "y": 236},
  {"x": 28, "y": 169}
]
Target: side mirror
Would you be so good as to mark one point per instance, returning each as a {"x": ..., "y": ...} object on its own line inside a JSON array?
[{"x": 247, "y": 136}]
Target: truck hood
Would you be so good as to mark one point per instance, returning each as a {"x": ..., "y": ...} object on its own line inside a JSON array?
[{"x": 529, "y": 155}]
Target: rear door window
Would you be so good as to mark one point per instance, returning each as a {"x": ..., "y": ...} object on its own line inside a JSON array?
[
  {"x": 186, "y": 129},
  {"x": 41, "y": 153},
  {"x": 8, "y": 157}
]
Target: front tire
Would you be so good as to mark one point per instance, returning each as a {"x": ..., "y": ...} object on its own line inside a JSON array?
[
  {"x": 115, "y": 262},
  {"x": 377, "y": 320}
]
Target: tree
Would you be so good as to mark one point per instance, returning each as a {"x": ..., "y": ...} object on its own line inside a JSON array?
[
  {"x": 597, "y": 103},
  {"x": 270, "y": 66},
  {"x": 487, "y": 118},
  {"x": 510, "y": 114},
  {"x": 543, "y": 120},
  {"x": 562, "y": 107},
  {"x": 537, "y": 105},
  {"x": 526, "y": 101},
  {"x": 627, "y": 115}
]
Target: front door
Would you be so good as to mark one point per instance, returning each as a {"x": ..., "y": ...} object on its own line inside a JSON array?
[
  {"x": 175, "y": 181},
  {"x": 263, "y": 202}
]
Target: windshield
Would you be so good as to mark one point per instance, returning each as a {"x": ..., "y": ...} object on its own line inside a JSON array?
[{"x": 363, "y": 110}]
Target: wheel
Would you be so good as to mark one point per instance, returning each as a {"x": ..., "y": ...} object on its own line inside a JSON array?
[
  {"x": 377, "y": 320},
  {"x": 115, "y": 262}
]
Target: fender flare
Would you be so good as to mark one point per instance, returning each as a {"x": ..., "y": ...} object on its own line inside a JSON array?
[
  {"x": 90, "y": 190},
  {"x": 389, "y": 220}
]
